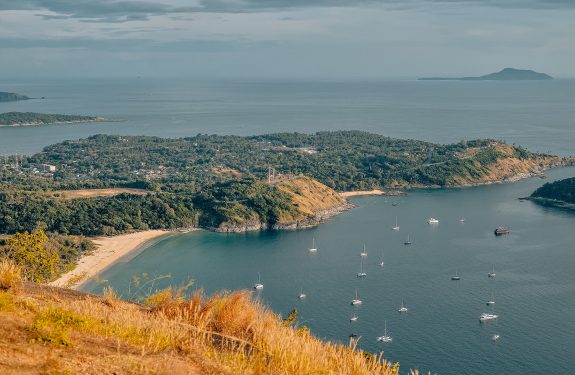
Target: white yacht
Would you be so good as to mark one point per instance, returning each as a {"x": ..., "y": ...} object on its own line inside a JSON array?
[
  {"x": 381, "y": 263},
  {"x": 462, "y": 220},
  {"x": 402, "y": 309},
  {"x": 455, "y": 277},
  {"x": 361, "y": 273},
  {"x": 356, "y": 301},
  {"x": 353, "y": 318},
  {"x": 408, "y": 241},
  {"x": 495, "y": 337},
  {"x": 363, "y": 253},
  {"x": 486, "y": 317},
  {"x": 312, "y": 249},
  {"x": 259, "y": 285},
  {"x": 301, "y": 294},
  {"x": 385, "y": 337},
  {"x": 396, "y": 227},
  {"x": 433, "y": 221}
]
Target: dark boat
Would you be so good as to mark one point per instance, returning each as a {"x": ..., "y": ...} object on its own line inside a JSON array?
[{"x": 501, "y": 231}]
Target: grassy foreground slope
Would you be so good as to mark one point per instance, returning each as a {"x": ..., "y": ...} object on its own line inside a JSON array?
[{"x": 52, "y": 330}]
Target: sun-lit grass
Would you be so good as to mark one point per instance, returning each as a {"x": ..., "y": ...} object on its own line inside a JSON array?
[{"x": 10, "y": 274}]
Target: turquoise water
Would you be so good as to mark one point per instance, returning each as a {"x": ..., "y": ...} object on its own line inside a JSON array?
[
  {"x": 538, "y": 115},
  {"x": 534, "y": 288}
]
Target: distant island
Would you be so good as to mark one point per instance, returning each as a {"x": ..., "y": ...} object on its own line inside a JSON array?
[
  {"x": 11, "y": 97},
  {"x": 507, "y": 74},
  {"x": 36, "y": 119},
  {"x": 559, "y": 193}
]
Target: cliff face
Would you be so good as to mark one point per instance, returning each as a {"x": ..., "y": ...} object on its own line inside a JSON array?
[{"x": 313, "y": 201}]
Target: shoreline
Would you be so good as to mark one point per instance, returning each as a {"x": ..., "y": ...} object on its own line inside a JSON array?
[
  {"x": 87, "y": 121},
  {"x": 347, "y": 194},
  {"x": 109, "y": 251}
]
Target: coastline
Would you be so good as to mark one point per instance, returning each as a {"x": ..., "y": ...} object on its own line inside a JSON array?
[
  {"x": 109, "y": 250},
  {"x": 347, "y": 194},
  {"x": 39, "y": 123}
]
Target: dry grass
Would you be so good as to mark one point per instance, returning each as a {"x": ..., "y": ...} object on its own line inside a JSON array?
[
  {"x": 48, "y": 329},
  {"x": 311, "y": 196},
  {"x": 10, "y": 275},
  {"x": 94, "y": 193}
]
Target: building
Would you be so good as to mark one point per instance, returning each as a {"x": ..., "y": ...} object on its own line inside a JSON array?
[{"x": 47, "y": 168}]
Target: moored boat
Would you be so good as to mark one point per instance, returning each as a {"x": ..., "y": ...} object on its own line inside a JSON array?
[{"x": 501, "y": 231}]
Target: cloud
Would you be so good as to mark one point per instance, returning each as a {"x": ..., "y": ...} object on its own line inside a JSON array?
[{"x": 117, "y": 11}]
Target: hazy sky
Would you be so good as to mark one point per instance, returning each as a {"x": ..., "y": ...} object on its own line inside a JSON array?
[{"x": 284, "y": 38}]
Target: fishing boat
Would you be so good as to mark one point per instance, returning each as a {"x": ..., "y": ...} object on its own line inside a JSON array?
[
  {"x": 492, "y": 273},
  {"x": 361, "y": 273},
  {"x": 455, "y": 277},
  {"x": 491, "y": 301},
  {"x": 408, "y": 241},
  {"x": 485, "y": 317},
  {"x": 381, "y": 263},
  {"x": 501, "y": 231},
  {"x": 385, "y": 337},
  {"x": 363, "y": 253},
  {"x": 396, "y": 227},
  {"x": 259, "y": 285},
  {"x": 433, "y": 221},
  {"x": 356, "y": 301},
  {"x": 302, "y": 295},
  {"x": 402, "y": 309},
  {"x": 312, "y": 249}
]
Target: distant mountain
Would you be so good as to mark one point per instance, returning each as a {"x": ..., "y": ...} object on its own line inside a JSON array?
[
  {"x": 11, "y": 97},
  {"x": 507, "y": 74}
]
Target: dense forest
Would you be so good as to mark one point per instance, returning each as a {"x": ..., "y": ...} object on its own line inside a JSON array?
[
  {"x": 213, "y": 181},
  {"x": 21, "y": 118},
  {"x": 563, "y": 190}
]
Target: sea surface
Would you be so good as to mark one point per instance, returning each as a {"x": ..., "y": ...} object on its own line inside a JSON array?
[
  {"x": 539, "y": 115},
  {"x": 534, "y": 287}
]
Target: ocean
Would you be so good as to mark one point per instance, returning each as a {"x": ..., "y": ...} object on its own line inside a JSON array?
[{"x": 534, "y": 287}]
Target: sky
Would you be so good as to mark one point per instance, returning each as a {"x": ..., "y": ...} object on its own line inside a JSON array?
[{"x": 284, "y": 38}]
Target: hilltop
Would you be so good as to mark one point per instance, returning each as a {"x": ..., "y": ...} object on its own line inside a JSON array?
[
  {"x": 507, "y": 74},
  {"x": 11, "y": 97},
  {"x": 49, "y": 330}
]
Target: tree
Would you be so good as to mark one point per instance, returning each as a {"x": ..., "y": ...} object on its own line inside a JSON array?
[{"x": 29, "y": 251}]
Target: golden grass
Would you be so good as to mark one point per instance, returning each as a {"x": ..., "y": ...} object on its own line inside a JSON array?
[
  {"x": 95, "y": 193},
  {"x": 227, "y": 333},
  {"x": 10, "y": 274}
]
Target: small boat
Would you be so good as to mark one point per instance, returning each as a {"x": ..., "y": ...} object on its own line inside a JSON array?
[
  {"x": 259, "y": 285},
  {"x": 353, "y": 318},
  {"x": 408, "y": 241},
  {"x": 396, "y": 227},
  {"x": 485, "y": 317},
  {"x": 312, "y": 249},
  {"x": 385, "y": 337},
  {"x": 501, "y": 231},
  {"x": 402, "y": 309},
  {"x": 491, "y": 301},
  {"x": 361, "y": 273},
  {"x": 302, "y": 295},
  {"x": 363, "y": 253},
  {"x": 382, "y": 263},
  {"x": 455, "y": 277},
  {"x": 495, "y": 337},
  {"x": 352, "y": 335},
  {"x": 492, "y": 273},
  {"x": 462, "y": 220},
  {"x": 433, "y": 221},
  {"x": 395, "y": 204},
  {"x": 356, "y": 301}
]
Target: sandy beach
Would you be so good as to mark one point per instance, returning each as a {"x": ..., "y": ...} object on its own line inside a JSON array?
[
  {"x": 347, "y": 194},
  {"x": 109, "y": 250}
]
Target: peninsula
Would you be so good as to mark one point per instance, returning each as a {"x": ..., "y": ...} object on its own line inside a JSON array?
[
  {"x": 11, "y": 97},
  {"x": 507, "y": 74},
  {"x": 559, "y": 193},
  {"x": 37, "y": 119}
]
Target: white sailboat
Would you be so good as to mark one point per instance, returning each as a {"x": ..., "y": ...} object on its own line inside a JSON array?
[
  {"x": 456, "y": 276},
  {"x": 361, "y": 273},
  {"x": 408, "y": 241},
  {"x": 495, "y": 337},
  {"x": 487, "y": 317},
  {"x": 382, "y": 263},
  {"x": 301, "y": 294},
  {"x": 363, "y": 253},
  {"x": 433, "y": 221},
  {"x": 353, "y": 318},
  {"x": 312, "y": 249},
  {"x": 385, "y": 337},
  {"x": 491, "y": 301},
  {"x": 492, "y": 273},
  {"x": 396, "y": 227},
  {"x": 259, "y": 285},
  {"x": 402, "y": 309},
  {"x": 356, "y": 301}
]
